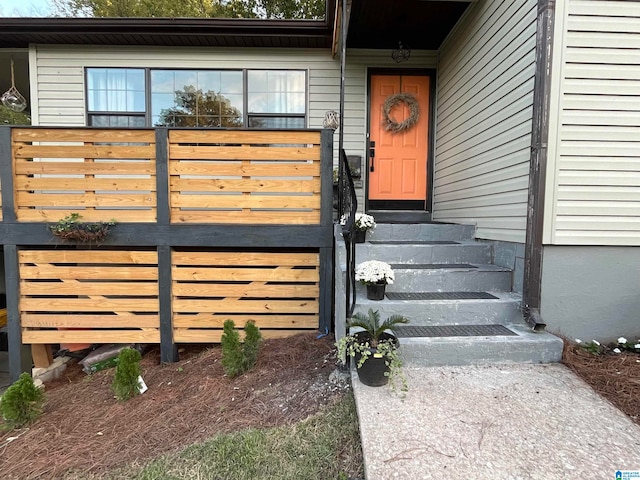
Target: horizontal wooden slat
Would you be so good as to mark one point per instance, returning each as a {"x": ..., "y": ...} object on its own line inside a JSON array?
[
  {"x": 246, "y": 185},
  {"x": 213, "y": 336},
  {"x": 257, "y": 217},
  {"x": 244, "y": 137},
  {"x": 89, "y": 288},
  {"x": 92, "y": 184},
  {"x": 245, "y": 258},
  {"x": 87, "y": 256},
  {"x": 86, "y": 200},
  {"x": 83, "y": 273},
  {"x": 90, "y": 336},
  {"x": 244, "y": 153},
  {"x": 246, "y": 274},
  {"x": 203, "y": 320},
  {"x": 251, "y": 290},
  {"x": 89, "y": 321},
  {"x": 245, "y": 201},
  {"x": 82, "y": 135},
  {"x": 84, "y": 151},
  {"x": 245, "y": 306},
  {"x": 103, "y": 215},
  {"x": 123, "y": 167},
  {"x": 260, "y": 169},
  {"x": 89, "y": 304}
]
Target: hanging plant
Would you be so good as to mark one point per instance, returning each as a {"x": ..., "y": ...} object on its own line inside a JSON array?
[
  {"x": 389, "y": 123},
  {"x": 72, "y": 229}
]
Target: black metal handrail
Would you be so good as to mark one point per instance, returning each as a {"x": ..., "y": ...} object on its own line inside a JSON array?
[{"x": 347, "y": 206}]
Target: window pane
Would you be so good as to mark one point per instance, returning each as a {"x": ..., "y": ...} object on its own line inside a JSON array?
[
  {"x": 231, "y": 82},
  {"x": 115, "y": 90},
  {"x": 185, "y": 78},
  {"x": 162, "y": 81},
  {"x": 97, "y": 100},
  {"x": 117, "y": 121},
  {"x": 274, "y": 91},
  {"x": 258, "y": 103},
  {"x": 209, "y": 81},
  {"x": 198, "y": 98},
  {"x": 256, "y": 121}
]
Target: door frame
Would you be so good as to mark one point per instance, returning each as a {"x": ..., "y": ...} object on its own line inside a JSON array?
[{"x": 426, "y": 72}]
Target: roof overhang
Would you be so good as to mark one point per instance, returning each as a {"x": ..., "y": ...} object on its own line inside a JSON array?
[
  {"x": 418, "y": 24},
  {"x": 209, "y": 32}
]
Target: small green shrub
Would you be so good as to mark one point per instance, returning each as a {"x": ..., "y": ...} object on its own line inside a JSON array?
[
  {"x": 125, "y": 381},
  {"x": 252, "y": 338},
  {"x": 231, "y": 350},
  {"x": 22, "y": 402},
  {"x": 238, "y": 357}
]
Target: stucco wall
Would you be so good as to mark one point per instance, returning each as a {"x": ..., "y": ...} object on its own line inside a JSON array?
[{"x": 591, "y": 292}]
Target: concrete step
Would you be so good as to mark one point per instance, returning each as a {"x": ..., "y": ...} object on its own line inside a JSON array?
[
  {"x": 421, "y": 253},
  {"x": 421, "y": 231},
  {"x": 525, "y": 347},
  {"x": 476, "y": 278},
  {"x": 503, "y": 310}
]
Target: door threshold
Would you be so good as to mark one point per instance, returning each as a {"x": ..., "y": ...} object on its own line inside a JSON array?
[{"x": 400, "y": 216}]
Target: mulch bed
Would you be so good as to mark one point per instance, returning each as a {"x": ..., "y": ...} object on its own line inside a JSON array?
[
  {"x": 85, "y": 429},
  {"x": 614, "y": 376}
]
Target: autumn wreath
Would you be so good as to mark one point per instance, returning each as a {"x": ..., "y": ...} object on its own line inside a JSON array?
[{"x": 389, "y": 123}]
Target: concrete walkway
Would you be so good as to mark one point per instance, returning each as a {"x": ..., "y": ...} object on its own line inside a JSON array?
[{"x": 493, "y": 422}]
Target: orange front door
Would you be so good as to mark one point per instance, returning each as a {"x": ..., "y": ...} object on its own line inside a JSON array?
[{"x": 398, "y": 166}]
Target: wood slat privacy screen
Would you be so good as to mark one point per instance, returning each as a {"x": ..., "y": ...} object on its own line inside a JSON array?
[
  {"x": 279, "y": 291},
  {"x": 100, "y": 174},
  {"x": 88, "y": 296},
  {"x": 244, "y": 177}
]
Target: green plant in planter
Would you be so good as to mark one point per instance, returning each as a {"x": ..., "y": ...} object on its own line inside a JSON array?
[
  {"x": 71, "y": 228},
  {"x": 21, "y": 403},
  {"x": 374, "y": 342}
]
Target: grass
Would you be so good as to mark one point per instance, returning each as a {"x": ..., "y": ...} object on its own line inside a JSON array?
[{"x": 325, "y": 446}]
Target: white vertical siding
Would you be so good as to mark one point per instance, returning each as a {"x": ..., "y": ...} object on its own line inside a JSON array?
[
  {"x": 58, "y": 78},
  {"x": 484, "y": 113},
  {"x": 593, "y": 179}
]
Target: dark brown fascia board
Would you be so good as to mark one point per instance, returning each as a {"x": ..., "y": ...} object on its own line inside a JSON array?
[
  {"x": 141, "y": 26},
  {"x": 55, "y": 30}
]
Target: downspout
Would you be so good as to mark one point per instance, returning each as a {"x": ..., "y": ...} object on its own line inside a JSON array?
[{"x": 532, "y": 285}]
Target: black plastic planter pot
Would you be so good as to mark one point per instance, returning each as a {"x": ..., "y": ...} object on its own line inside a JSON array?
[
  {"x": 376, "y": 291},
  {"x": 374, "y": 371},
  {"x": 359, "y": 236}
]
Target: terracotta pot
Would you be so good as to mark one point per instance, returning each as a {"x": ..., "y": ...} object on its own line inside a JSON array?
[
  {"x": 359, "y": 236},
  {"x": 376, "y": 291}
]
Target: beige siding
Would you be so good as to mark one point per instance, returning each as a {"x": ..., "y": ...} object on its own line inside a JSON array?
[
  {"x": 484, "y": 118},
  {"x": 593, "y": 180},
  {"x": 58, "y": 76}
]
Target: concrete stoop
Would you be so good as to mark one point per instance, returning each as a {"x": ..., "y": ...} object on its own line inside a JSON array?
[
  {"x": 444, "y": 261},
  {"x": 524, "y": 347}
]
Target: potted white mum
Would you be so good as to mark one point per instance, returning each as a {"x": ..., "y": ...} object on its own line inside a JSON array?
[
  {"x": 376, "y": 275},
  {"x": 363, "y": 223}
]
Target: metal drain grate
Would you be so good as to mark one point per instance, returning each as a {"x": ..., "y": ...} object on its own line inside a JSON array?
[
  {"x": 430, "y": 266},
  {"x": 440, "y": 296},
  {"x": 414, "y": 242},
  {"x": 455, "y": 331}
]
